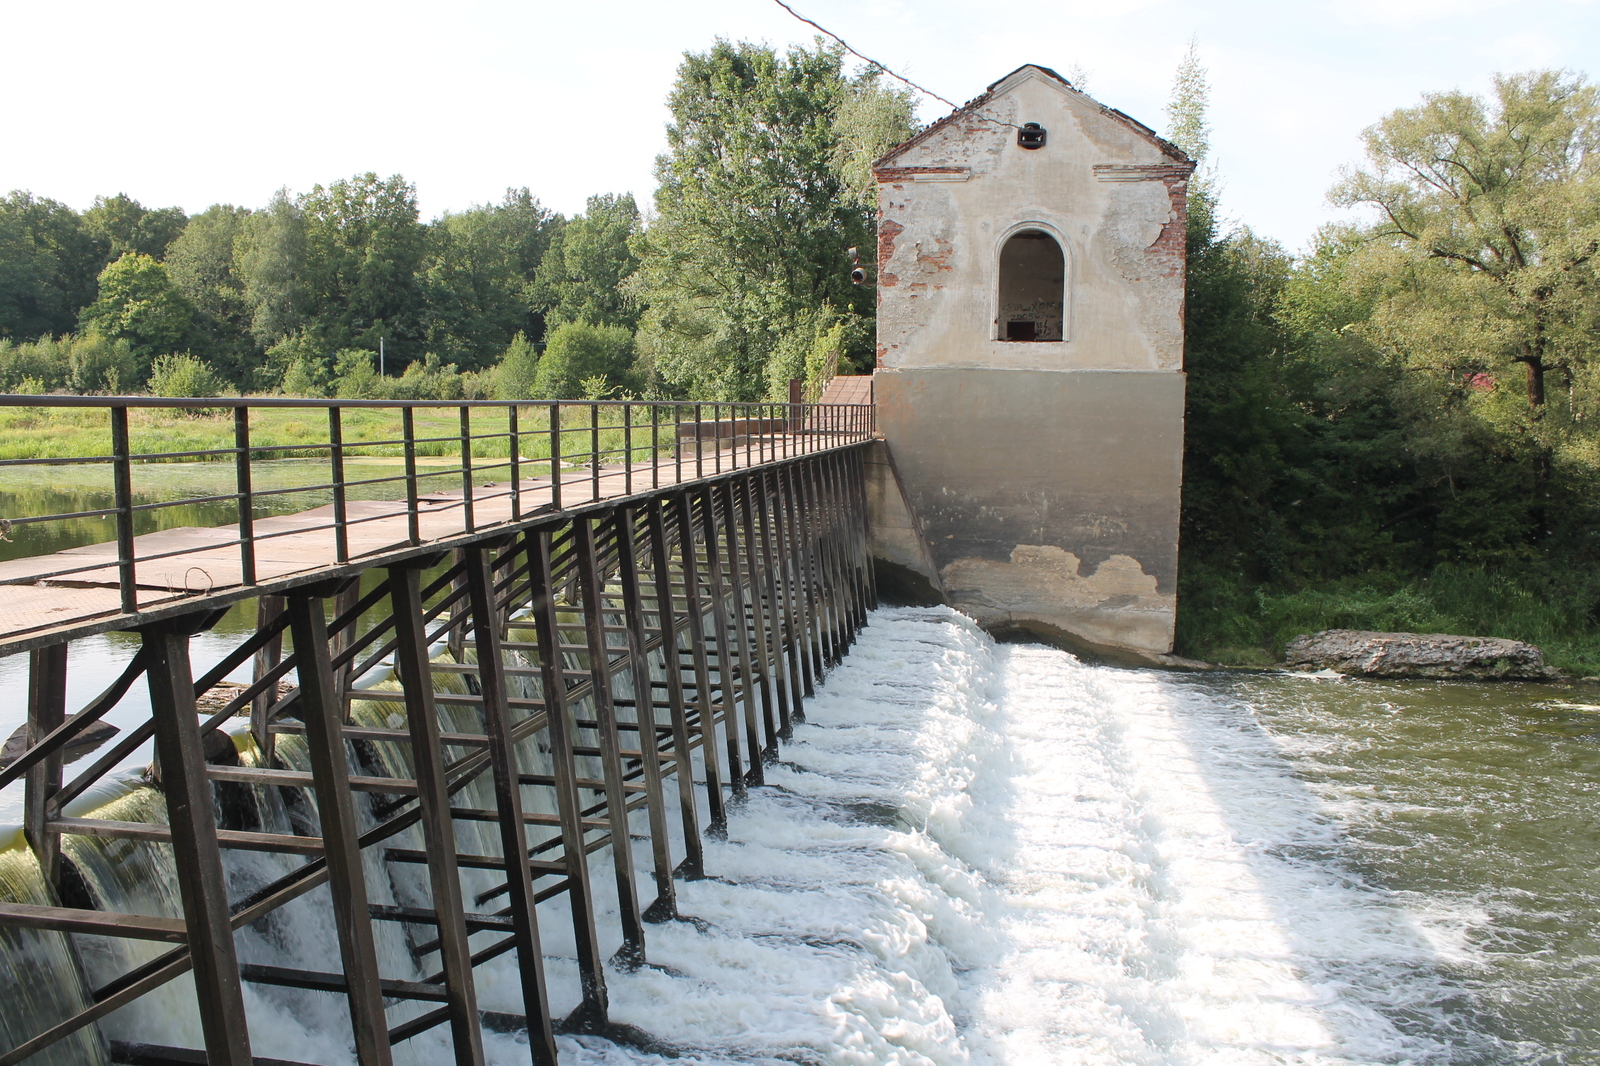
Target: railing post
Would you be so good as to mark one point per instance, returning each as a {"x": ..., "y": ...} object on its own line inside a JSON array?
[
  {"x": 594, "y": 449},
  {"x": 515, "y": 440},
  {"x": 196, "y": 854},
  {"x": 555, "y": 455},
  {"x": 655, "y": 445},
  {"x": 467, "y": 515},
  {"x": 693, "y": 866},
  {"x": 592, "y": 1011},
  {"x": 716, "y": 811},
  {"x": 591, "y": 590},
  {"x": 699, "y": 445},
  {"x": 122, "y": 484},
  {"x": 322, "y": 712},
  {"x": 727, "y": 663},
  {"x": 408, "y": 427},
  {"x": 628, "y": 564},
  {"x": 627, "y": 449},
  {"x": 433, "y": 798},
  {"x": 247, "y": 539},
  {"x": 341, "y": 518},
  {"x": 508, "y": 802},
  {"x": 47, "y": 709}
]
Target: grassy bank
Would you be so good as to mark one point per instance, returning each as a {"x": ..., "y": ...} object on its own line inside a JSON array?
[
  {"x": 1225, "y": 620},
  {"x": 48, "y": 432}
]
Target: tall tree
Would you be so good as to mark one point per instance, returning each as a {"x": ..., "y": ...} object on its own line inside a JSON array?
[
  {"x": 1488, "y": 230},
  {"x": 138, "y": 303},
  {"x": 270, "y": 262},
  {"x": 202, "y": 266},
  {"x": 363, "y": 248},
  {"x": 48, "y": 265},
  {"x": 478, "y": 269},
  {"x": 580, "y": 277},
  {"x": 127, "y": 226},
  {"x": 753, "y": 213}
]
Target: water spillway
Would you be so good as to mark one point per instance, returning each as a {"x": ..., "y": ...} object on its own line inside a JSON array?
[{"x": 929, "y": 849}]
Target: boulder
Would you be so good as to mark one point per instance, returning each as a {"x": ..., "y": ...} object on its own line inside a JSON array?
[{"x": 1426, "y": 655}]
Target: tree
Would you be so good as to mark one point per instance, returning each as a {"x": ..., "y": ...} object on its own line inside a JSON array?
[
  {"x": 48, "y": 265},
  {"x": 476, "y": 277},
  {"x": 270, "y": 262},
  {"x": 202, "y": 264},
  {"x": 1488, "y": 230},
  {"x": 515, "y": 377},
  {"x": 578, "y": 353},
  {"x": 139, "y": 304},
  {"x": 1190, "y": 129},
  {"x": 580, "y": 277},
  {"x": 127, "y": 226},
  {"x": 363, "y": 248},
  {"x": 753, "y": 214}
]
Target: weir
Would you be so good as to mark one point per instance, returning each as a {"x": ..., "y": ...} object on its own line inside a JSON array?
[{"x": 458, "y": 699}]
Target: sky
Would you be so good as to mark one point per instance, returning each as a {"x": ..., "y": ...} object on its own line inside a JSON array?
[{"x": 194, "y": 102}]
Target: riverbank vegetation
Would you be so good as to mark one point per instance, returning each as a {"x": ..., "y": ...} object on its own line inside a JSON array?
[
  {"x": 1400, "y": 428},
  {"x": 1396, "y": 428}
]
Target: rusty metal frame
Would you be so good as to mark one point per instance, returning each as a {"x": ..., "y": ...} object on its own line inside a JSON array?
[{"x": 706, "y": 605}]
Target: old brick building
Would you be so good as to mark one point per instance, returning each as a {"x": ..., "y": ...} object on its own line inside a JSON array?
[{"x": 1030, "y": 359}]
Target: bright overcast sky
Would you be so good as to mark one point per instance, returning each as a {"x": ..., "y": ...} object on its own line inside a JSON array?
[{"x": 190, "y": 103}]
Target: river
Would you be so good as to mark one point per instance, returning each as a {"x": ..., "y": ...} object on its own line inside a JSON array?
[{"x": 976, "y": 853}]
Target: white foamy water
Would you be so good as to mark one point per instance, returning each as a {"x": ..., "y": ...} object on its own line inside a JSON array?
[
  {"x": 976, "y": 855},
  {"x": 999, "y": 855}
]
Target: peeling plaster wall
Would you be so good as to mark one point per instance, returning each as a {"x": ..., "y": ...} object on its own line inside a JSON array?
[{"x": 1045, "y": 474}]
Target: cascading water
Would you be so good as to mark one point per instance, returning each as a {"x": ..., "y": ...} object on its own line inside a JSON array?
[{"x": 986, "y": 854}]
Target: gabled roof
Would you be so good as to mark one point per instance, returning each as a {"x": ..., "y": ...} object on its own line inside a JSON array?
[{"x": 1033, "y": 70}]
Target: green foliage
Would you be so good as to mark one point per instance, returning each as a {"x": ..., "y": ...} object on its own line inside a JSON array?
[
  {"x": 48, "y": 265},
  {"x": 1226, "y": 620},
  {"x": 1190, "y": 129},
  {"x": 753, "y": 215},
  {"x": 580, "y": 277},
  {"x": 1483, "y": 255},
  {"x": 269, "y": 259},
  {"x": 203, "y": 265},
  {"x": 363, "y": 248},
  {"x": 426, "y": 379},
  {"x": 811, "y": 351},
  {"x": 139, "y": 304},
  {"x": 80, "y": 363},
  {"x": 305, "y": 377},
  {"x": 127, "y": 227},
  {"x": 183, "y": 376},
  {"x": 580, "y": 358},
  {"x": 1356, "y": 438},
  {"x": 355, "y": 376},
  {"x": 476, "y": 276},
  {"x": 518, "y": 370}
]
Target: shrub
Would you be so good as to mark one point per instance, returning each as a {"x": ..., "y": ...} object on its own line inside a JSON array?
[
  {"x": 183, "y": 376},
  {"x": 577, "y": 352},
  {"x": 426, "y": 380},
  {"x": 81, "y": 363},
  {"x": 355, "y": 378},
  {"x": 304, "y": 377},
  {"x": 519, "y": 367}
]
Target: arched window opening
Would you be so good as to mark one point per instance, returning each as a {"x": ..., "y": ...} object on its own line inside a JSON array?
[{"x": 1033, "y": 277}]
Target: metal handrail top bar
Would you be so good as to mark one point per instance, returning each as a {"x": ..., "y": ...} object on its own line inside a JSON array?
[{"x": 322, "y": 404}]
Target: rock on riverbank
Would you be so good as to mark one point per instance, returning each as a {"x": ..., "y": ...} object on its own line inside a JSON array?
[{"x": 1426, "y": 655}]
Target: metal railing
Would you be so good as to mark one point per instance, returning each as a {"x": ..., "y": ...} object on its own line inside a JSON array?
[{"x": 494, "y": 463}]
